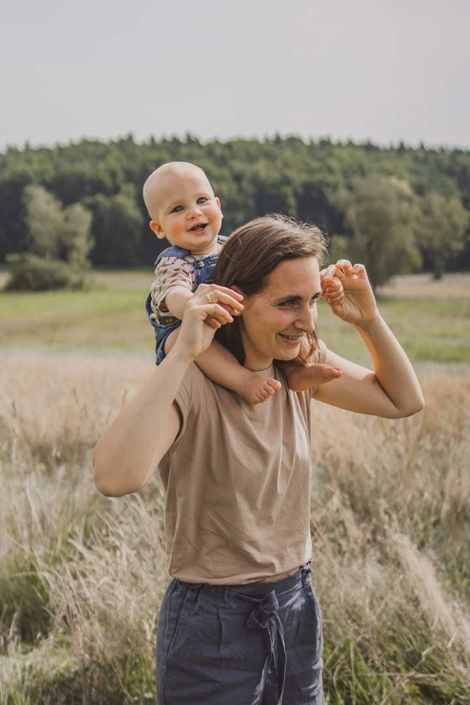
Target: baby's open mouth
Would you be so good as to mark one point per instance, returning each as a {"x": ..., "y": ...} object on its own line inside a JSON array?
[{"x": 199, "y": 228}]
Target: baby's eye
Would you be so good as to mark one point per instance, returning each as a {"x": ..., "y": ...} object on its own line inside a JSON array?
[
  {"x": 201, "y": 200},
  {"x": 177, "y": 209}
]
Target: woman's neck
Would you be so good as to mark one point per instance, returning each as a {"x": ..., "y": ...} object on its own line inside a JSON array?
[{"x": 257, "y": 363}]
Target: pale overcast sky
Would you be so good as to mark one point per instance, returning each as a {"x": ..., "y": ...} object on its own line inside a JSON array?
[{"x": 383, "y": 70}]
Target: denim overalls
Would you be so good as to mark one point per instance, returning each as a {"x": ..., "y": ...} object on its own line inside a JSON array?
[{"x": 203, "y": 270}]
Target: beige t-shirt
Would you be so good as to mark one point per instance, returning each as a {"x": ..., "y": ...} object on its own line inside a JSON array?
[{"x": 237, "y": 480}]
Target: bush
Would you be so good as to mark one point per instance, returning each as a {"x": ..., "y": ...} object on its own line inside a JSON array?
[{"x": 29, "y": 272}]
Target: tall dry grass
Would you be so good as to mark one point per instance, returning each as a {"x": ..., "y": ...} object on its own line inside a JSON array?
[{"x": 81, "y": 577}]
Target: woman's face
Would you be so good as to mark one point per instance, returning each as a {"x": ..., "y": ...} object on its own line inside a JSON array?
[{"x": 275, "y": 320}]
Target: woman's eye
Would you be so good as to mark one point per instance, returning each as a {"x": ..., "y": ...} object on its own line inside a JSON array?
[
  {"x": 292, "y": 303},
  {"x": 201, "y": 200},
  {"x": 177, "y": 209}
]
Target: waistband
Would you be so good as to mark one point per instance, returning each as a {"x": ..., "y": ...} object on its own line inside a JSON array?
[
  {"x": 229, "y": 595},
  {"x": 255, "y": 589}
]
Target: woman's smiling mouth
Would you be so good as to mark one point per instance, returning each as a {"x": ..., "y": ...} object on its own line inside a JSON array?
[{"x": 292, "y": 339}]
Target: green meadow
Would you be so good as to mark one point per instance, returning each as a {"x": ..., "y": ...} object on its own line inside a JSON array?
[{"x": 111, "y": 317}]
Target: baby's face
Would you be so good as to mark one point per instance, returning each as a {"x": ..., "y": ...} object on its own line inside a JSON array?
[{"x": 188, "y": 214}]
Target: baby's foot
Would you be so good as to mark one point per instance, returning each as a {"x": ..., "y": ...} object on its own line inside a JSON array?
[
  {"x": 302, "y": 378},
  {"x": 256, "y": 388}
]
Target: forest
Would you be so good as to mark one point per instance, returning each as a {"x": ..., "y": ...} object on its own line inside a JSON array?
[{"x": 398, "y": 208}]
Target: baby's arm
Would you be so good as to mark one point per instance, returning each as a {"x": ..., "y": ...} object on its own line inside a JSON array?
[
  {"x": 171, "y": 289},
  {"x": 221, "y": 367},
  {"x": 176, "y": 300}
]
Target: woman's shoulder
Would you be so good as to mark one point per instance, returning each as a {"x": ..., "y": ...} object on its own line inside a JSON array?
[
  {"x": 197, "y": 391},
  {"x": 193, "y": 388}
]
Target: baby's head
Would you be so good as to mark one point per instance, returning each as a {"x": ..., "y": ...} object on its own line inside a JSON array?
[{"x": 183, "y": 208}]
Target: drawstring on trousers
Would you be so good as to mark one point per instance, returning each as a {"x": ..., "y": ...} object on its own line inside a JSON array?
[{"x": 265, "y": 617}]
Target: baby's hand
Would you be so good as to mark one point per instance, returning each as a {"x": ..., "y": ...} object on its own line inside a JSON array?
[{"x": 332, "y": 289}]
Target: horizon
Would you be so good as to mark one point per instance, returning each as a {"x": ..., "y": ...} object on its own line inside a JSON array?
[{"x": 335, "y": 141}]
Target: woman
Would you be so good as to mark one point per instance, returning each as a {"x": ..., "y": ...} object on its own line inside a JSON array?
[{"x": 240, "y": 622}]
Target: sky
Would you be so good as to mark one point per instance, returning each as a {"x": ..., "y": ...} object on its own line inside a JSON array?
[{"x": 380, "y": 70}]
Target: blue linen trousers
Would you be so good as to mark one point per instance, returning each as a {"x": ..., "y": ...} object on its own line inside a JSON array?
[{"x": 253, "y": 644}]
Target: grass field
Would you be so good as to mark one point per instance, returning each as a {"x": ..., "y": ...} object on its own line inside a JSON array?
[
  {"x": 82, "y": 577},
  {"x": 111, "y": 317}
]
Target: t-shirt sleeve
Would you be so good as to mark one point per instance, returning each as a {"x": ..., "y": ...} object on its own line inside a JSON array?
[
  {"x": 170, "y": 273},
  {"x": 190, "y": 397}
]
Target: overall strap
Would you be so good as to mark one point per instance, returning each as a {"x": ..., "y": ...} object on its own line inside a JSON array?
[{"x": 172, "y": 251}]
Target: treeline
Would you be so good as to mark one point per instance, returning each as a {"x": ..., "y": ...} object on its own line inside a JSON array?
[{"x": 410, "y": 205}]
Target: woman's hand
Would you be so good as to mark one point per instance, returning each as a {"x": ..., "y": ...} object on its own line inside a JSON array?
[
  {"x": 211, "y": 307},
  {"x": 354, "y": 302}
]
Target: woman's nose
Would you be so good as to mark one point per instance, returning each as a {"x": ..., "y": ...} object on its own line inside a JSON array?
[{"x": 307, "y": 318}]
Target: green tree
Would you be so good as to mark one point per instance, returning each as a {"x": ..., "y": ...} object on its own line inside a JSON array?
[
  {"x": 383, "y": 214},
  {"x": 442, "y": 230},
  {"x": 117, "y": 227},
  {"x": 251, "y": 176},
  {"x": 44, "y": 220},
  {"x": 76, "y": 235},
  {"x": 60, "y": 245}
]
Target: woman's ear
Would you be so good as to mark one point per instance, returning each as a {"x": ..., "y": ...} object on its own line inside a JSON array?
[{"x": 238, "y": 290}]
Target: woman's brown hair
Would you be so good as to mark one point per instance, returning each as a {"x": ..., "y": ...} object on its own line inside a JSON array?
[{"x": 249, "y": 257}]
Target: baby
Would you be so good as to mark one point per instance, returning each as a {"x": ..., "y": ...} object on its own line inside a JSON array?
[{"x": 184, "y": 210}]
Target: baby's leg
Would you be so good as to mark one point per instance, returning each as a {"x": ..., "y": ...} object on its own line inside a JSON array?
[
  {"x": 171, "y": 340},
  {"x": 222, "y": 368},
  {"x": 301, "y": 378}
]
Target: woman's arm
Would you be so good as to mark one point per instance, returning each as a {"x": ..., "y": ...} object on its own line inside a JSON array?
[
  {"x": 130, "y": 449},
  {"x": 392, "y": 390}
]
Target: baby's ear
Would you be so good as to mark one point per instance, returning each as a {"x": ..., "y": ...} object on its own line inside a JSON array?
[
  {"x": 217, "y": 200},
  {"x": 157, "y": 229}
]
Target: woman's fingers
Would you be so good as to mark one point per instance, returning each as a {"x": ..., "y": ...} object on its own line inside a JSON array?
[
  {"x": 210, "y": 294},
  {"x": 220, "y": 314},
  {"x": 213, "y": 323},
  {"x": 215, "y": 312},
  {"x": 216, "y": 289}
]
